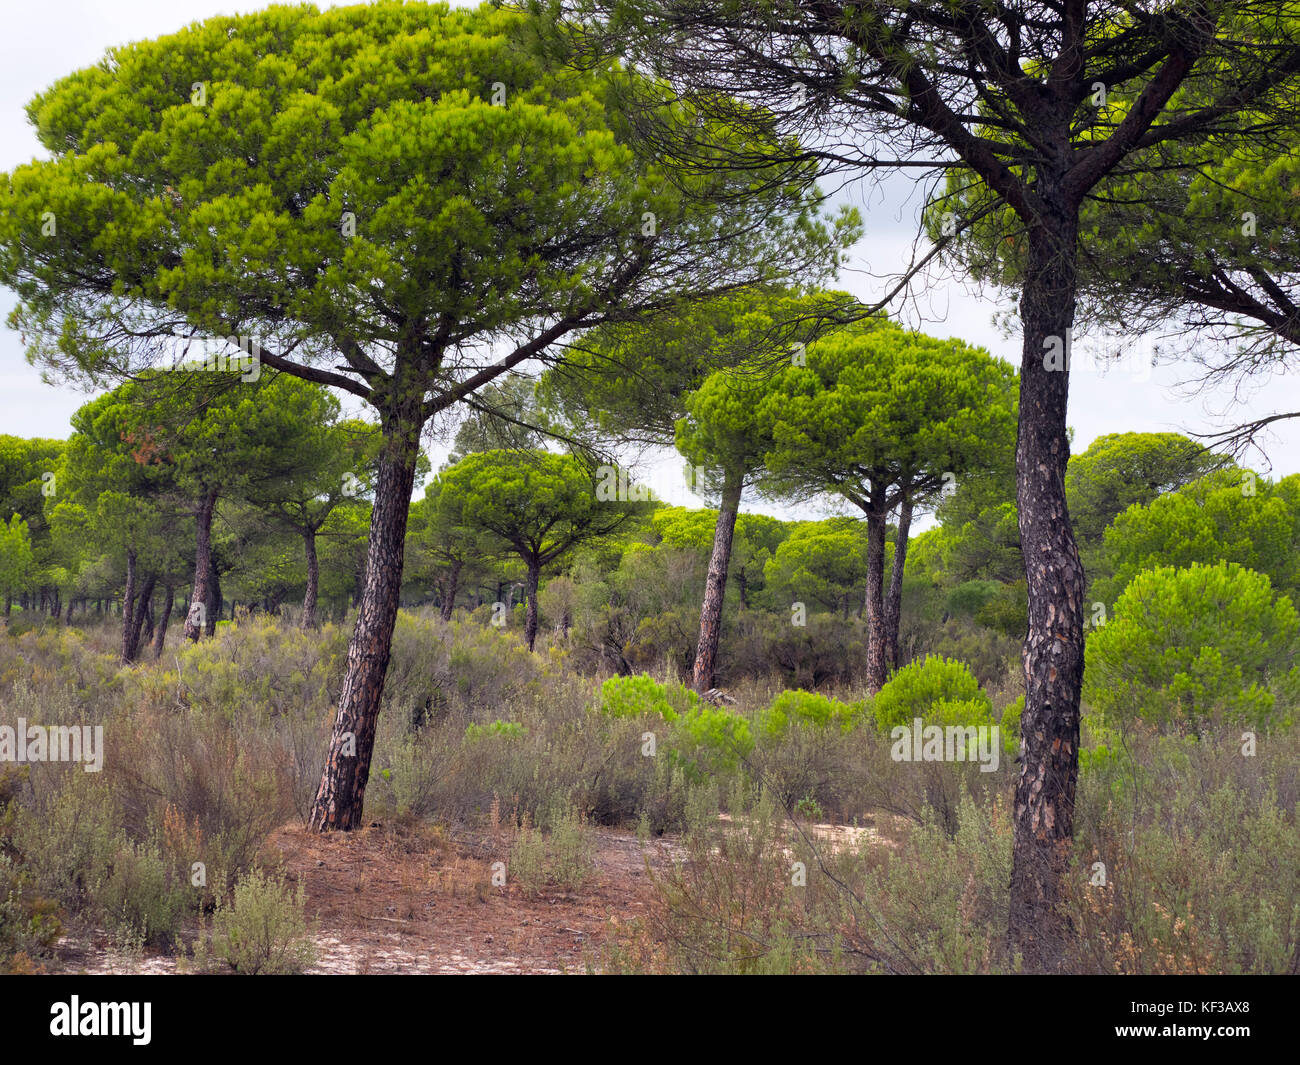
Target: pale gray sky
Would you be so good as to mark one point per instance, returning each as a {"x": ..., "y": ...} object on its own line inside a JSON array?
[{"x": 43, "y": 41}]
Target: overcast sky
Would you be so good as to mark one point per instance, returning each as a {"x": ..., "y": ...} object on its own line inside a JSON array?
[{"x": 46, "y": 40}]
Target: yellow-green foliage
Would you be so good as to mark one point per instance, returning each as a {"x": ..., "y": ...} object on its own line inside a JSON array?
[
  {"x": 915, "y": 689},
  {"x": 259, "y": 665},
  {"x": 1009, "y": 723},
  {"x": 56, "y": 656},
  {"x": 640, "y": 694},
  {"x": 810, "y": 708},
  {"x": 723, "y": 735},
  {"x": 505, "y": 729},
  {"x": 1197, "y": 646}
]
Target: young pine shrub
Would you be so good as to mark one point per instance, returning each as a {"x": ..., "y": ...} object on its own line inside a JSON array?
[
  {"x": 1195, "y": 648},
  {"x": 913, "y": 691}
]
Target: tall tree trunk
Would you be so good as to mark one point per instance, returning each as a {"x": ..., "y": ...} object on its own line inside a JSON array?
[
  {"x": 67, "y": 614},
  {"x": 135, "y": 625},
  {"x": 715, "y": 585},
  {"x": 195, "y": 615},
  {"x": 894, "y": 601},
  {"x": 1043, "y": 813},
  {"x": 160, "y": 634},
  {"x": 530, "y": 610},
  {"x": 128, "y": 604},
  {"x": 341, "y": 796},
  {"x": 313, "y": 580},
  {"x": 450, "y": 588},
  {"x": 874, "y": 604},
  {"x": 146, "y": 630},
  {"x": 215, "y": 598}
]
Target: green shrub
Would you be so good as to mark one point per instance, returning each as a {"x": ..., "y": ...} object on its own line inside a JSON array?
[
  {"x": 1009, "y": 723},
  {"x": 506, "y": 729},
  {"x": 913, "y": 691},
  {"x": 29, "y": 922},
  {"x": 263, "y": 930},
  {"x": 1197, "y": 645},
  {"x": 811, "y": 708},
  {"x": 706, "y": 737},
  {"x": 68, "y": 831},
  {"x": 722, "y": 737},
  {"x": 562, "y": 859},
  {"x": 639, "y": 694},
  {"x": 143, "y": 898}
]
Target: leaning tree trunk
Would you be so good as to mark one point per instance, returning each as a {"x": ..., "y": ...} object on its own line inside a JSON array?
[
  {"x": 128, "y": 606},
  {"x": 160, "y": 634},
  {"x": 715, "y": 585},
  {"x": 894, "y": 600},
  {"x": 530, "y": 610},
  {"x": 449, "y": 588},
  {"x": 874, "y": 605},
  {"x": 195, "y": 615},
  {"x": 313, "y": 580},
  {"x": 341, "y": 796},
  {"x": 1043, "y": 814}
]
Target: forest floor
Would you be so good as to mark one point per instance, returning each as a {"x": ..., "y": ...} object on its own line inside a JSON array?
[{"x": 397, "y": 899}]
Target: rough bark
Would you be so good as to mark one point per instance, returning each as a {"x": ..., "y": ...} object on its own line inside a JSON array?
[
  {"x": 715, "y": 585},
  {"x": 215, "y": 598},
  {"x": 450, "y": 587},
  {"x": 136, "y": 626},
  {"x": 202, "y": 567},
  {"x": 160, "y": 633},
  {"x": 313, "y": 580},
  {"x": 874, "y": 604},
  {"x": 1053, "y": 654},
  {"x": 530, "y": 611},
  {"x": 128, "y": 606},
  {"x": 894, "y": 599},
  {"x": 340, "y": 798}
]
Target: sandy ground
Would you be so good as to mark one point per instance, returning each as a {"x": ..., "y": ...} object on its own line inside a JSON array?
[
  {"x": 394, "y": 901},
  {"x": 411, "y": 900}
]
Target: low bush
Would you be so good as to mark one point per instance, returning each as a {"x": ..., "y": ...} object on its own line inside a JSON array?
[
  {"x": 915, "y": 689},
  {"x": 262, "y": 930}
]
